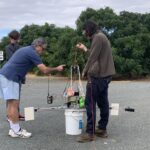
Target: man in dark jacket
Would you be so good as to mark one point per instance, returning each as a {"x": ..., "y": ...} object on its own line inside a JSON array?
[
  {"x": 99, "y": 70},
  {"x": 10, "y": 49},
  {"x": 14, "y": 37}
]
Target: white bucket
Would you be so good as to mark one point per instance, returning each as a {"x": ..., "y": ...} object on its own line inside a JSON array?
[{"x": 74, "y": 121}]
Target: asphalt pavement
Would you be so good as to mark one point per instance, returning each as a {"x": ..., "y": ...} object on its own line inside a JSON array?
[{"x": 128, "y": 131}]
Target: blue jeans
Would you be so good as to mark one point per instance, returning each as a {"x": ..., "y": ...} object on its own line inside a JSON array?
[{"x": 97, "y": 93}]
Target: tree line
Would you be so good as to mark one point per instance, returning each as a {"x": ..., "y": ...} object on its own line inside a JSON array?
[{"x": 128, "y": 32}]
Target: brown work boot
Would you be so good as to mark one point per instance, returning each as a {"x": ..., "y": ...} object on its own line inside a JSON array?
[
  {"x": 21, "y": 118},
  {"x": 86, "y": 138},
  {"x": 101, "y": 133}
]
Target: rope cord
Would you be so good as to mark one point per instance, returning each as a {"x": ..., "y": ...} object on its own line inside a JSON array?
[
  {"x": 92, "y": 108},
  {"x": 48, "y": 84}
]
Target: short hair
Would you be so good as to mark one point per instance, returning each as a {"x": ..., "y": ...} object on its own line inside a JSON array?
[
  {"x": 39, "y": 42},
  {"x": 90, "y": 27},
  {"x": 14, "y": 35}
]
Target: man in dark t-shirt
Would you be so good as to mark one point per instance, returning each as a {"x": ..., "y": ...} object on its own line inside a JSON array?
[{"x": 12, "y": 74}]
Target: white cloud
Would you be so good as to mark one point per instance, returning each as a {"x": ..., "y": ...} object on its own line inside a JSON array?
[{"x": 14, "y": 14}]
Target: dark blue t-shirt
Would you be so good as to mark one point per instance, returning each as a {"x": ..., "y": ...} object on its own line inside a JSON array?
[{"x": 20, "y": 63}]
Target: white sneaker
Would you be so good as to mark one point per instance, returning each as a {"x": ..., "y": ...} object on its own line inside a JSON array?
[{"x": 21, "y": 134}]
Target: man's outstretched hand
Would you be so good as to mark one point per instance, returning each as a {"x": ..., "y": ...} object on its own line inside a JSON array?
[{"x": 60, "y": 67}]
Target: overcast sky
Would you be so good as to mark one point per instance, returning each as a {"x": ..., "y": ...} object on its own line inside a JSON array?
[{"x": 14, "y": 14}]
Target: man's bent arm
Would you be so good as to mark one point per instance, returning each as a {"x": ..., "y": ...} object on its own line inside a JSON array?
[{"x": 47, "y": 70}]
